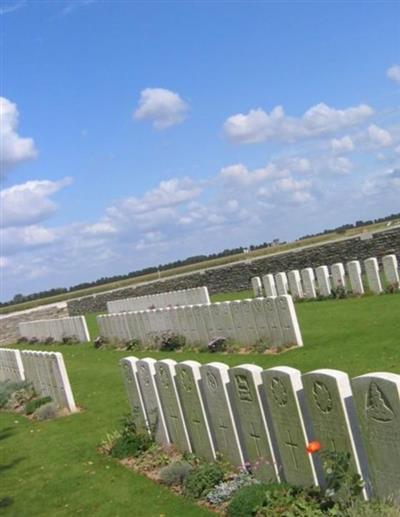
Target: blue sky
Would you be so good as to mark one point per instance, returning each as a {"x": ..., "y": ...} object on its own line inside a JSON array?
[{"x": 135, "y": 133}]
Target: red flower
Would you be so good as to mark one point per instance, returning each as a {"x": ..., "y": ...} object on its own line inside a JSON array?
[{"x": 313, "y": 447}]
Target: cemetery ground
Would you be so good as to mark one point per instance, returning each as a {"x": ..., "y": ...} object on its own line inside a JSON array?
[{"x": 53, "y": 468}]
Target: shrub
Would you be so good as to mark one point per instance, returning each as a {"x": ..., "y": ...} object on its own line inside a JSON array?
[
  {"x": 284, "y": 500},
  {"x": 392, "y": 288},
  {"x": 22, "y": 339},
  {"x": 98, "y": 342},
  {"x": 49, "y": 340},
  {"x": 46, "y": 411},
  {"x": 247, "y": 500},
  {"x": 32, "y": 405},
  {"x": 33, "y": 340},
  {"x": 130, "y": 441},
  {"x": 134, "y": 344},
  {"x": 217, "y": 344},
  {"x": 225, "y": 489},
  {"x": 14, "y": 394},
  {"x": 339, "y": 292},
  {"x": 175, "y": 473},
  {"x": 170, "y": 342},
  {"x": 202, "y": 479},
  {"x": 372, "y": 509}
]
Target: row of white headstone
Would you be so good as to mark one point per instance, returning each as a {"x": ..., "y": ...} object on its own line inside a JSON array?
[
  {"x": 45, "y": 370},
  {"x": 266, "y": 418},
  {"x": 194, "y": 296},
  {"x": 309, "y": 283},
  {"x": 57, "y": 329},
  {"x": 272, "y": 320}
]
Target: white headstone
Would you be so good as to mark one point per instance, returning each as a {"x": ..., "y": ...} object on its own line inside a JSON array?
[
  {"x": 145, "y": 372},
  {"x": 281, "y": 282},
  {"x": 215, "y": 380},
  {"x": 338, "y": 275},
  {"x": 283, "y": 391},
  {"x": 308, "y": 279},
  {"x": 269, "y": 285},
  {"x": 253, "y": 431},
  {"x": 274, "y": 322},
  {"x": 165, "y": 380},
  {"x": 262, "y": 324},
  {"x": 257, "y": 286},
  {"x": 324, "y": 281},
  {"x": 377, "y": 397},
  {"x": 11, "y": 367},
  {"x": 354, "y": 269},
  {"x": 288, "y": 320},
  {"x": 330, "y": 404},
  {"x": 373, "y": 277},
  {"x": 391, "y": 269},
  {"x": 295, "y": 287},
  {"x": 128, "y": 366},
  {"x": 187, "y": 383}
]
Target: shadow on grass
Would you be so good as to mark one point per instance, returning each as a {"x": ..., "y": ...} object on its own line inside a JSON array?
[
  {"x": 8, "y": 466},
  {"x": 6, "y": 432},
  {"x": 6, "y": 501}
]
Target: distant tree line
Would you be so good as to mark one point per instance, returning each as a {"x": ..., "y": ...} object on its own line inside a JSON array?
[{"x": 19, "y": 298}]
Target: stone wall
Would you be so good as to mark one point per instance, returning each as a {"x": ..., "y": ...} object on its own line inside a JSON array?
[
  {"x": 9, "y": 322},
  {"x": 237, "y": 277}
]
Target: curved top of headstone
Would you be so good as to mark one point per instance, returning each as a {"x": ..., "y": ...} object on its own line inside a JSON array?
[{"x": 341, "y": 378}]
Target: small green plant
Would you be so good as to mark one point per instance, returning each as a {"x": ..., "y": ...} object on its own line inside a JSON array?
[
  {"x": 168, "y": 342},
  {"x": 392, "y": 288},
  {"x": 372, "y": 509},
  {"x": 15, "y": 394},
  {"x": 130, "y": 441},
  {"x": 288, "y": 501},
  {"x": 339, "y": 292},
  {"x": 247, "y": 500},
  {"x": 202, "y": 479},
  {"x": 32, "y": 405},
  {"x": 175, "y": 473},
  {"x": 46, "y": 411}
]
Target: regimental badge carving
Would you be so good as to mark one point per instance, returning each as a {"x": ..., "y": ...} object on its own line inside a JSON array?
[
  {"x": 378, "y": 407},
  {"x": 186, "y": 381},
  {"x": 282, "y": 304},
  {"x": 243, "y": 388},
  {"x": 279, "y": 392},
  {"x": 322, "y": 397},
  {"x": 163, "y": 376},
  {"x": 211, "y": 381},
  {"x": 144, "y": 374}
]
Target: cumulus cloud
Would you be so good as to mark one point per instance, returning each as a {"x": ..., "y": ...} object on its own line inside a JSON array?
[
  {"x": 164, "y": 108},
  {"x": 259, "y": 126},
  {"x": 15, "y": 239},
  {"x": 28, "y": 203},
  {"x": 393, "y": 73},
  {"x": 14, "y": 148},
  {"x": 379, "y": 137},
  {"x": 342, "y": 145}
]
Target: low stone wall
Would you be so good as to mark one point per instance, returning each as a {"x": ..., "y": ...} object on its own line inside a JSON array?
[
  {"x": 9, "y": 332},
  {"x": 237, "y": 277}
]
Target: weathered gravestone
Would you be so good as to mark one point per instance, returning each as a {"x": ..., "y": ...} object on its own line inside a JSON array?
[
  {"x": 308, "y": 278},
  {"x": 338, "y": 276},
  {"x": 391, "y": 269},
  {"x": 261, "y": 319},
  {"x": 295, "y": 287},
  {"x": 250, "y": 321},
  {"x": 145, "y": 372},
  {"x": 254, "y": 435},
  {"x": 198, "y": 311},
  {"x": 288, "y": 320},
  {"x": 239, "y": 322},
  {"x": 373, "y": 277},
  {"x": 257, "y": 286},
  {"x": 129, "y": 370},
  {"x": 331, "y": 408},
  {"x": 377, "y": 397},
  {"x": 187, "y": 382},
  {"x": 11, "y": 368},
  {"x": 323, "y": 280},
  {"x": 269, "y": 285},
  {"x": 215, "y": 380},
  {"x": 48, "y": 375},
  {"x": 282, "y": 389},
  {"x": 227, "y": 320},
  {"x": 209, "y": 322},
  {"x": 165, "y": 380},
  {"x": 281, "y": 282},
  {"x": 274, "y": 323},
  {"x": 354, "y": 269}
]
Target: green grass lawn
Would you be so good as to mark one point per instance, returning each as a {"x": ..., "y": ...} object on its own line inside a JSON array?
[{"x": 53, "y": 469}]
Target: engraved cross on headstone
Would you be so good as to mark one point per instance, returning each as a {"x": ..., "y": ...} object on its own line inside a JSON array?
[
  {"x": 292, "y": 447},
  {"x": 224, "y": 430},
  {"x": 256, "y": 438}
]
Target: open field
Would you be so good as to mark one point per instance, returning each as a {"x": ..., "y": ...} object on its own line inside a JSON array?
[
  {"x": 198, "y": 266},
  {"x": 53, "y": 469}
]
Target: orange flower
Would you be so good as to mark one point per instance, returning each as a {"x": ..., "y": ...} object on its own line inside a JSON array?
[{"x": 313, "y": 447}]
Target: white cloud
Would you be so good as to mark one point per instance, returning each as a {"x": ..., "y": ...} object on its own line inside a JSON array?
[
  {"x": 162, "y": 107},
  {"x": 259, "y": 126},
  {"x": 239, "y": 174},
  {"x": 4, "y": 262},
  {"x": 393, "y": 73},
  {"x": 10, "y": 7},
  {"x": 289, "y": 184},
  {"x": 379, "y": 137},
  {"x": 29, "y": 203},
  {"x": 17, "y": 239},
  {"x": 14, "y": 149},
  {"x": 340, "y": 165},
  {"x": 342, "y": 145}
]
